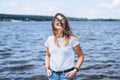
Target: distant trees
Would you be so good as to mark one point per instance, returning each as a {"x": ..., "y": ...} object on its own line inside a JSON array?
[{"x": 10, "y": 17}]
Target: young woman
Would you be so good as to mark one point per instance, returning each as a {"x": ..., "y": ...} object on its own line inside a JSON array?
[{"x": 60, "y": 49}]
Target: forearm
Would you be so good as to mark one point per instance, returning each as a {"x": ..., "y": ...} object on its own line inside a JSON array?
[
  {"x": 80, "y": 61},
  {"x": 47, "y": 61},
  {"x": 47, "y": 65}
]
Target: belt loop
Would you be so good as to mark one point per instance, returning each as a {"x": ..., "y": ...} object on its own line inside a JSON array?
[
  {"x": 63, "y": 72},
  {"x": 55, "y": 74}
]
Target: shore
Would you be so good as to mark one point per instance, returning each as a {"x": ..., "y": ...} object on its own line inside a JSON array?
[{"x": 17, "y": 18}]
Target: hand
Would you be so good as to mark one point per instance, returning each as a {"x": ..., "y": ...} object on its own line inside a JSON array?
[
  {"x": 49, "y": 72},
  {"x": 71, "y": 74}
]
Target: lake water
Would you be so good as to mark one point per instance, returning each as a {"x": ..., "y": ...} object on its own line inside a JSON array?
[{"x": 22, "y": 49}]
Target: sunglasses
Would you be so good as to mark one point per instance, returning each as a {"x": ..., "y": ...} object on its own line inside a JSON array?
[{"x": 59, "y": 21}]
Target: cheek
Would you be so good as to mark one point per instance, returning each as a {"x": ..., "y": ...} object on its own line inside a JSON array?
[
  {"x": 57, "y": 26},
  {"x": 63, "y": 25}
]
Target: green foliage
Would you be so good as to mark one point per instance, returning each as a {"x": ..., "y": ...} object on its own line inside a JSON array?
[{"x": 10, "y": 17}]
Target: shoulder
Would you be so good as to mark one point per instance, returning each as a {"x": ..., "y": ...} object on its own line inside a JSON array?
[
  {"x": 48, "y": 41},
  {"x": 74, "y": 41},
  {"x": 74, "y": 38},
  {"x": 50, "y": 37}
]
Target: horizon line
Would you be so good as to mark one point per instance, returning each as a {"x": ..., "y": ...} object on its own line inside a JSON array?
[{"x": 52, "y": 16}]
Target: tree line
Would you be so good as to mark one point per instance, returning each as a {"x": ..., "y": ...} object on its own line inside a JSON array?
[{"x": 10, "y": 17}]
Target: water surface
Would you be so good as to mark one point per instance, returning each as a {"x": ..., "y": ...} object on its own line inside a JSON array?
[{"x": 22, "y": 49}]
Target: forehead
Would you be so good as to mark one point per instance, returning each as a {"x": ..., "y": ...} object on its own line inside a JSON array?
[{"x": 59, "y": 17}]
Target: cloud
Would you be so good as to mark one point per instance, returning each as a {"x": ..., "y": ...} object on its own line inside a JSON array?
[
  {"x": 118, "y": 10},
  {"x": 28, "y": 8},
  {"x": 13, "y": 4},
  {"x": 54, "y": 8},
  {"x": 113, "y": 4}
]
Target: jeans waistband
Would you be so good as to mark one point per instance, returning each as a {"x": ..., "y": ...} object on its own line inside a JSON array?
[{"x": 67, "y": 70}]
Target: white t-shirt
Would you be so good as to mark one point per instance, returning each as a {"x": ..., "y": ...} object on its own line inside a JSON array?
[{"x": 61, "y": 58}]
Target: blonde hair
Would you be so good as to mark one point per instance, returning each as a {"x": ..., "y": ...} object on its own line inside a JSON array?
[{"x": 66, "y": 31}]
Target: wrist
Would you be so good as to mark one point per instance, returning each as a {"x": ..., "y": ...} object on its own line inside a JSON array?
[
  {"x": 77, "y": 69},
  {"x": 47, "y": 68}
]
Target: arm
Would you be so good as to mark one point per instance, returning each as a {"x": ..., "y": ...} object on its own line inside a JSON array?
[
  {"x": 47, "y": 62},
  {"x": 80, "y": 54},
  {"x": 47, "y": 58}
]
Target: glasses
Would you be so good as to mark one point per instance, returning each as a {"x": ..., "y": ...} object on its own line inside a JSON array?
[{"x": 59, "y": 21}]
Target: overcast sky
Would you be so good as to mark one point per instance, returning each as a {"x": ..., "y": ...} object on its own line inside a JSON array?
[{"x": 71, "y": 8}]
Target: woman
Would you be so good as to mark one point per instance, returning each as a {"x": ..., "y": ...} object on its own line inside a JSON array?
[{"x": 60, "y": 48}]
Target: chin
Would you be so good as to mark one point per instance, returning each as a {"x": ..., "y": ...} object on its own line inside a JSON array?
[{"x": 58, "y": 27}]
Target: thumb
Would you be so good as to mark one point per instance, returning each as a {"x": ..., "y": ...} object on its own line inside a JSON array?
[
  {"x": 67, "y": 74},
  {"x": 49, "y": 73}
]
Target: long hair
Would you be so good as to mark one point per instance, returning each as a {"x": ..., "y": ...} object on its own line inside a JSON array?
[{"x": 66, "y": 31}]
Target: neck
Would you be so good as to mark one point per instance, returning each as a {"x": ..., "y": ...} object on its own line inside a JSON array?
[{"x": 59, "y": 34}]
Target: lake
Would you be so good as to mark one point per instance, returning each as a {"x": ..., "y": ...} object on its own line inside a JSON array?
[{"x": 22, "y": 49}]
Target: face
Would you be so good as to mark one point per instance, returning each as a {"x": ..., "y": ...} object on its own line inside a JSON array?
[{"x": 59, "y": 22}]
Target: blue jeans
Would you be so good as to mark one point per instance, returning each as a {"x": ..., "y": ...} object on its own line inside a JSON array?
[{"x": 60, "y": 76}]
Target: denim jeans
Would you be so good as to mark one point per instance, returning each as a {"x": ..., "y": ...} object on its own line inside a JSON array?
[{"x": 60, "y": 76}]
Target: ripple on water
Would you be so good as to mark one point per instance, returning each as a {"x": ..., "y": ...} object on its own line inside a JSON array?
[
  {"x": 17, "y": 68},
  {"x": 4, "y": 78},
  {"x": 97, "y": 77},
  {"x": 18, "y": 62},
  {"x": 39, "y": 77},
  {"x": 20, "y": 68},
  {"x": 4, "y": 55},
  {"x": 96, "y": 66},
  {"x": 5, "y": 49}
]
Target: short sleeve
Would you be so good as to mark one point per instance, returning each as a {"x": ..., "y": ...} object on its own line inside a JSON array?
[
  {"x": 75, "y": 42},
  {"x": 47, "y": 42}
]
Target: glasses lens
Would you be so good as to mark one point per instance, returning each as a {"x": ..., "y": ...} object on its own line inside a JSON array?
[
  {"x": 63, "y": 21},
  {"x": 59, "y": 21},
  {"x": 56, "y": 20}
]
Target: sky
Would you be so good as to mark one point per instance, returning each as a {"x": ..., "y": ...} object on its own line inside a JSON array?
[{"x": 70, "y": 8}]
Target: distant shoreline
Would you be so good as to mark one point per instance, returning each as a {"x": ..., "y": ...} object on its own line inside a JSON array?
[{"x": 17, "y": 18}]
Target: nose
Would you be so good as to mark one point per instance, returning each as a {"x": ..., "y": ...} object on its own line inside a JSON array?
[{"x": 59, "y": 23}]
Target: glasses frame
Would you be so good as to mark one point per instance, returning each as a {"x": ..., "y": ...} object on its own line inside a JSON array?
[{"x": 59, "y": 21}]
